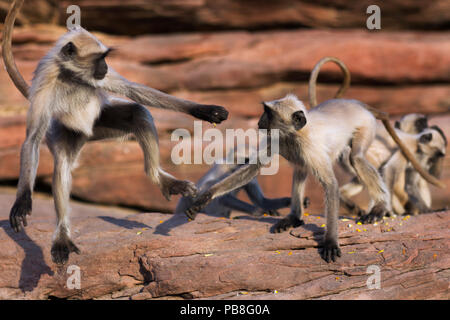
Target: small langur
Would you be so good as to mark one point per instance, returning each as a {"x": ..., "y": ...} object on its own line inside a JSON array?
[
  {"x": 224, "y": 204},
  {"x": 70, "y": 105},
  {"x": 312, "y": 141},
  {"x": 379, "y": 152},
  {"x": 427, "y": 145}
]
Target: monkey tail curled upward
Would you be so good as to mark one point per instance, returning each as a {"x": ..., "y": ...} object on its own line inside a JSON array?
[
  {"x": 8, "y": 57},
  {"x": 315, "y": 73},
  {"x": 383, "y": 116}
]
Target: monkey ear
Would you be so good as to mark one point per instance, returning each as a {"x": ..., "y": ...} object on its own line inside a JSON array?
[
  {"x": 267, "y": 110},
  {"x": 298, "y": 120},
  {"x": 425, "y": 138},
  {"x": 69, "y": 49},
  {"x": 397, "y": 124}
]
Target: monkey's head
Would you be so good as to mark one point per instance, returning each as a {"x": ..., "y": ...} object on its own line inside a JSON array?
[
  {"x": 412, "y": 123},
  {"x": 80, "y": 54},
  {"x": 287, "y": 114},
  {"x": 433, "y": 143}
]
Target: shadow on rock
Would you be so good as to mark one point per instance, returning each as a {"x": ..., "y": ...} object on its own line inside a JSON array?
[
  {"x": 33, "y": 265},
  {"x": 124, "y": 223}
]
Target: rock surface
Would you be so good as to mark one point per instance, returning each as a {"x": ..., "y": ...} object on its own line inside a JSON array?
[
  {"x": 128, "y": 255},
  {"x": 133, "y": 17}
]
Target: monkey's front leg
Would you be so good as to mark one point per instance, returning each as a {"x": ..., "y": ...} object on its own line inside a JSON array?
[
  {"x": 294, "y": 218},
  {"x": 29, "y": 159}
]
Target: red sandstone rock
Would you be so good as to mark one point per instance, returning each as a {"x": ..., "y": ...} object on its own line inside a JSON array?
[{"x": 150, "y": 255}]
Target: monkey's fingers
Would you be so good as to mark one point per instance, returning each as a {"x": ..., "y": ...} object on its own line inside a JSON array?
[{"x": 273, "y": 213}]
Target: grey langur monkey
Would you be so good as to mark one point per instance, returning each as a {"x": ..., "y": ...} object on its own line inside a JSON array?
[
  {"x": 70, "y": 106},
  {"x": 312, "y": 141}
]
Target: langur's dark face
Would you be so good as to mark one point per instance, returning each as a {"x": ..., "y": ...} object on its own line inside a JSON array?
[
  {"x": 421, "y": 124},
  {"x": 100, "y": 68}
]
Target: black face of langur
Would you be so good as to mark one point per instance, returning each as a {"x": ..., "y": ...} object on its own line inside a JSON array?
[
  {"x": 436, "y": 161},
  {"x": 413, "y": 123}
]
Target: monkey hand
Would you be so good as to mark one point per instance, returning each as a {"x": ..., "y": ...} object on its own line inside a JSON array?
[
  {"x": 210, "y": 113},
  {"x": 202, "y": 201},
  {"x": 376, "y": 214},
  {"x": 330, "y": 250},
  {"x": 173, "y": 186},
  {"x": 21, "y": 208},
  {"x": 288, "y": 222}
]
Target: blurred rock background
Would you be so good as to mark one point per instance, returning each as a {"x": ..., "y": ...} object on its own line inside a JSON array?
[{"x": 236, "y": 54}]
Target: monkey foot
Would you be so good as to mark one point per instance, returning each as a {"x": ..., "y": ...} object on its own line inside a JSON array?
[
  {"x": 376, "y": 214},
  {"x": 286, "y": 223},
  {"x": 330, "y": 250},
  {"x": 201, "y": 202},
  {"x": 173, "y": 186},
  {"x": 19, "y": 212},
  {"x": 61, "y": 249}
]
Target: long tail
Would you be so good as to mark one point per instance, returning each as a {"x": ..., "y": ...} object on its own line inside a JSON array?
[
  {"x": 384, "y": 117},
  {"x": 8, "y": 57},
  {"x": 315, "y": 74}
]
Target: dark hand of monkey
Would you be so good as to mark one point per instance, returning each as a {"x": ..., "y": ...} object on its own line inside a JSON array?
[
  {"x": 210, "y": 113},
  {"x": 289, "y": 222},
  {"x": 202, "y": 201},
  {"x": 330, "y": 250},
  {"x": 185, "y": 188},
  {"x": 376, "y": 214},
  {"x": 20, "y": 210}
]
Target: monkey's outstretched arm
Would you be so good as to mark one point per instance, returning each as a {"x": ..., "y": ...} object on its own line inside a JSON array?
[
  {"x": 236, "y": 180},
  {"x": 139, "y": 93}
]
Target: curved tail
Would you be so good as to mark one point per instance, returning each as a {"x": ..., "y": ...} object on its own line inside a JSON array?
[
  {"x": 315, "y": 74},
  {"x": 8, "y": 57},
  {"x": 384, "y": 117}
]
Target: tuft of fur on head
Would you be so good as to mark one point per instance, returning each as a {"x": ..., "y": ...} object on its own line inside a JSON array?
[{"x": 286, "y": 106}]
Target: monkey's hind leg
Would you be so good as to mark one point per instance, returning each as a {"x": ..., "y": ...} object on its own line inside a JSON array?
[
  {"x": 346, "y": 192},
  {"x": 65, "y": 146},
  {"x": 123, "y": 118},
  {"x": 370, "y": 178}
]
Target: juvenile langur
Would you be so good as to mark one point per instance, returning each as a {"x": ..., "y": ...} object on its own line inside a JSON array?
[
  {"x": 312, "y": 141},
  {"x": 224, "y": 204},
  {"x": 383, "y": 147},
  {"x": 427, "y": 145},
  {"x": 70, "y": 106},
  {"x": 379, "y": 152}
]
